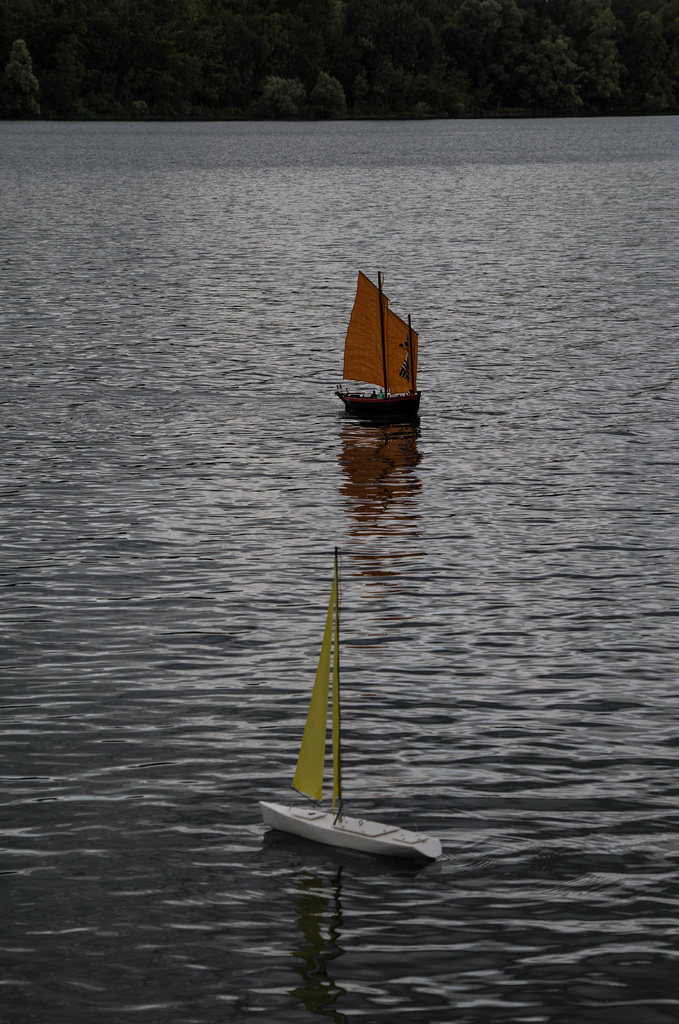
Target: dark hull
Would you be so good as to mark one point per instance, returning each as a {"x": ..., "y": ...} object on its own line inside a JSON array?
[{"x": 370, "y": 408}]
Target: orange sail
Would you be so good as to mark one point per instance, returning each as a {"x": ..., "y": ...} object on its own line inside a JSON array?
[
  {"x": 380, "y": 348},
  {"x": 401, "y": 348}
]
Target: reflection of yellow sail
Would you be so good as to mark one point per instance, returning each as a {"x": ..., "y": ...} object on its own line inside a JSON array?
[
  {"x": 311, "y": 761},
  {"x": 393, "y": 364},
  {"x": 319, "y": 919},
  {"x": 379, "y": 468}
]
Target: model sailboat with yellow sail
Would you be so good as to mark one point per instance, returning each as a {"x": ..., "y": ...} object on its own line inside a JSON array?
[
  {"x": 334, "y": 828},
  {"x": 380, "y": 350}
]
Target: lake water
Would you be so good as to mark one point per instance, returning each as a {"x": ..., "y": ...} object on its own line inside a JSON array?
[{"x": 175, "y": 475}]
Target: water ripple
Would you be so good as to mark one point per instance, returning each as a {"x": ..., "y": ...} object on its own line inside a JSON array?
[{"x": 174, "y": 479}]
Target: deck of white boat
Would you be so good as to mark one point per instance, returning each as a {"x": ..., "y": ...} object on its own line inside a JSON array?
[{"x": 356, "y": 826}]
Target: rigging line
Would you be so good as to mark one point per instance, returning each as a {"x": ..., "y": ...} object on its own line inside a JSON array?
[
  {"x": 412, "y": 814},
  {"x": 336, "y": 678}
]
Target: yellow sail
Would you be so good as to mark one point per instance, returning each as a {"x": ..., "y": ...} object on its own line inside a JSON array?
[
  {"x": 392, "y": 366},
  {"x": 311, "y": 761}
]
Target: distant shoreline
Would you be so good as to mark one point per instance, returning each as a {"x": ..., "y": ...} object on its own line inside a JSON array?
[{"x": 491, "y": 115}]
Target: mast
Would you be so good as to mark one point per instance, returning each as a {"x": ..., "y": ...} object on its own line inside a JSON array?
[
  {"x": 336, "y": 738},
  {"x": 380, "y": 278},
  {"x": 410, "y": 356}
]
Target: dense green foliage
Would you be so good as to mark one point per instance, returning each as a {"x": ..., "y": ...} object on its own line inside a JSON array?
[{"x": 327, "y": 58}]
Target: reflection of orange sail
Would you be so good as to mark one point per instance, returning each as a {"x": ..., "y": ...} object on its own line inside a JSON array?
[
  {"x": 380, "y": 348},
  {"x": 381, "y": 487},
  {"x": 379, "y": 464}
]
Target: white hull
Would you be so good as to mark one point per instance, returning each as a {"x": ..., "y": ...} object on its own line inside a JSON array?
[{"x": 350, "y": 833}]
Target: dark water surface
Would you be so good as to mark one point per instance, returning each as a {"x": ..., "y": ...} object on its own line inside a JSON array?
[{"x": 175, "y": 474}]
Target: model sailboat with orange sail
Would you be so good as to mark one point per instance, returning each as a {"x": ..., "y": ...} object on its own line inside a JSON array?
[
  {"x": 334, "y": 828},
  {"x": 380, "y": 350}
]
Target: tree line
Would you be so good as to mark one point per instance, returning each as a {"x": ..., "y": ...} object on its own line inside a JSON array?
[{"x": 335, "y": 58}]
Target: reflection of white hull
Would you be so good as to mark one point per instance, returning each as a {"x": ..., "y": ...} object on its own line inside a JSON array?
[{"x": 350, "y": 833}]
